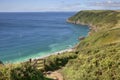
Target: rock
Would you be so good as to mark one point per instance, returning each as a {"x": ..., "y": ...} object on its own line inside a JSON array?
[
  {"x": 49, "y": 72},
  {"x": 81, "y": 38}
]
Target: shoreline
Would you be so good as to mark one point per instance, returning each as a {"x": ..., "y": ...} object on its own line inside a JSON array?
[
  {"x": 61, "y": 51},
  {"x": 55, "y": 53},
  {"x": 43, "y": 57},
  {"x": 90, "y": 26}
]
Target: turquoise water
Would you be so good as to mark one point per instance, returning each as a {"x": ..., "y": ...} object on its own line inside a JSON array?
[{"x": 30, "y": 35}]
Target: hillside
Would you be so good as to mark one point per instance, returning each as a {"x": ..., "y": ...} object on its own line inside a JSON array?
[
  {"x": 97, "y": 19},
  {"x": 99, "y": 53}
]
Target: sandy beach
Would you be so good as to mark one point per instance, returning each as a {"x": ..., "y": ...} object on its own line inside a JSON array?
[{"x": 55, "y": 53}]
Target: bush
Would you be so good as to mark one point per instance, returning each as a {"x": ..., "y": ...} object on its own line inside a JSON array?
[
  {"x": 57, "y": 61},
  {"x": 26, "y": 72},
  {"x": 23, "y": 71}
]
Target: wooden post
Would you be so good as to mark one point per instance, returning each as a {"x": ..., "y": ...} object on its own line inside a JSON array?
[
  {"x": 44, "y": 64},
  {"x": 30, "y": 60}
]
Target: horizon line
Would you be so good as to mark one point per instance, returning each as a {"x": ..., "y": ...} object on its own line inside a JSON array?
[
  {"x": 54, "y": 11},
  {"x": 36, "y": 11}
]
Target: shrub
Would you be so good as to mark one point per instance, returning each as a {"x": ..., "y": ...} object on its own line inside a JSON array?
[
  {"x": 26, "y": 72},
  {"x": 57, "y": 61}
]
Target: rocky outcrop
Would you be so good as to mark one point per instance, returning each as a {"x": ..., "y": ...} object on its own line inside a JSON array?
[
  {"x": 92, "y": 27},
  {"x": 81, "y": 38}
]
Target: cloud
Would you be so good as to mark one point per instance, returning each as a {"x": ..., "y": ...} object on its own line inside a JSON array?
[
  {"x": 108, "y": 3},
  {"x": 71, "y": 7},
  {"x": 89, "y": 4},
  {"x": 63, "y": 6}
]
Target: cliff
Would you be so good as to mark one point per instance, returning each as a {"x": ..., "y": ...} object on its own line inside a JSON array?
[{"x": 97, "y": 19}]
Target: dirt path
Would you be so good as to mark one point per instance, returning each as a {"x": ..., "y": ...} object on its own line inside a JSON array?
[{"x": 56, "y": 75}]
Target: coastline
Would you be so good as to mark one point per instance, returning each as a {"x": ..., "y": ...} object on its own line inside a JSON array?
[
  {"x": 91, "y": 27},
  {"x": 55, "y": 53},
  {"x": 58, "y": 52},
  {"x": 70, "y": 49},
  {"x": 65, "y": 50},
  {"x": 42, "y": 57},
  {"x": 40, "y": 44},
  {"x": 97, "y": 55}
]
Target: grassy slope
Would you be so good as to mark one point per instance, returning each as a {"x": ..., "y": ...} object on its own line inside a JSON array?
[{"x": 98, "y": 54}]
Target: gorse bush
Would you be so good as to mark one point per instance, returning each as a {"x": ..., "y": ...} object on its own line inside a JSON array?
[
  {"x": 54, "y": 62},
  {"x": 26, "y": 72},
  {"x": 4, "y": 73},
  {"x": 23, "y": 71}
]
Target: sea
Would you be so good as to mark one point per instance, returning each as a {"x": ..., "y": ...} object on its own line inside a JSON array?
[{"x": 25, "y": 35}]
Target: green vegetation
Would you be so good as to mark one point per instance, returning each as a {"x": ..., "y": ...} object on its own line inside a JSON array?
[
  {"x": 55, "y": 62},
  {"x": 22, "y": 71},
  {"x": 95, "y": 63},
  {"x": 99, "y": 53}
]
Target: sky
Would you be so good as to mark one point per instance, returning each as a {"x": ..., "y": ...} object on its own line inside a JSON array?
[{"x": 56, "y": 5}]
